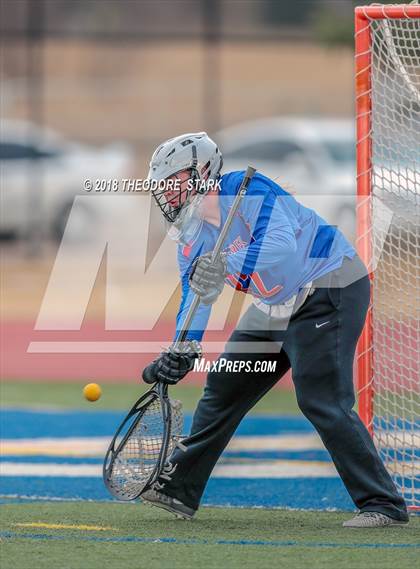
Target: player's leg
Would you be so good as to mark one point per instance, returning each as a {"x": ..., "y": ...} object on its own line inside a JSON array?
[
  {"x": 321, "y": 342},
  {"x": 227, "y": 397}
]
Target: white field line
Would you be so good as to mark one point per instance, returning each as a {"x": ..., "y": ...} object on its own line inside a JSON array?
[
  {"x": 40, "y": 469},
  {"x": 97, "y": 446},
  {"x": 275, "y": 469},
  {"x": 398, "y": 439},
  {"x": 36, "y": 497},
  {"x": 72, "y": 446},
  {"x": 409, "y": 468},
  {"x": 298, "y": 442},
  {"x": 108, "y": 347},
  {"x": 260, "y": 469}
]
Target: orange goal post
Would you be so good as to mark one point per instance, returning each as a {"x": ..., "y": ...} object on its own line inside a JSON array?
[{"x": 387, "y": 69}]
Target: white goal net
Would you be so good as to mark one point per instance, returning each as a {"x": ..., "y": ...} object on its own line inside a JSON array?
[{"x": 393, "y": 372}]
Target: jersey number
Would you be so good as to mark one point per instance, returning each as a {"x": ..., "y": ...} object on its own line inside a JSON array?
[{"x": 242, "y": 282}]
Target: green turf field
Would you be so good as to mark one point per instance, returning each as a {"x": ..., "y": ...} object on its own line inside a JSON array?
[
  {"x": 122, "y": 396},
  {"x": 69, "y": 535},
  {"x": 217, "y": 538}
]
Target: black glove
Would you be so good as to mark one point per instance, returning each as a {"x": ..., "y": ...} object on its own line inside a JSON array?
[
  {"x": 207, "y": 278},
  {"x": 173, "y": 364}
]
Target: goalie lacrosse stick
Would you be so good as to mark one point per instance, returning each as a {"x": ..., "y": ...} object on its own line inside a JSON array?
[{"x": 153, "y": 427}]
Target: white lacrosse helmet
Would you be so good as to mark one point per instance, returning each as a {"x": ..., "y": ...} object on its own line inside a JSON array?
[{"x": 195, "y": 152}]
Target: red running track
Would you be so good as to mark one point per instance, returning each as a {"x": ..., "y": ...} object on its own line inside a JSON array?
[{"x": 18, "y": 363}]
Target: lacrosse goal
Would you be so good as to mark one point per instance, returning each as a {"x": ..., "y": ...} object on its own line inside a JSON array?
[{"x": 387, "y": 51}]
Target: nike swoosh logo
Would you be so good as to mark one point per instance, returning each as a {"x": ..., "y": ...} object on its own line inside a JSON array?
[{"x": 323, "y": 324}]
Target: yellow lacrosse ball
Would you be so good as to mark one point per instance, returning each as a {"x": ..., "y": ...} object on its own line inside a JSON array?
[{"x": 92, "y": 391}]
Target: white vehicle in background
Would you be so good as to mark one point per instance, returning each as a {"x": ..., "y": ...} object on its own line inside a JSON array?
[
  {"x": 41, "y": 173},
  {"x": 311, "y": 158}
]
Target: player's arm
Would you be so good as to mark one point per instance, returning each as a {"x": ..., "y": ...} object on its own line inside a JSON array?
[
  {"x": 274, "y": 238},
  {"x": 172, "y": 364},
  {"x": 273, "y": 241}
]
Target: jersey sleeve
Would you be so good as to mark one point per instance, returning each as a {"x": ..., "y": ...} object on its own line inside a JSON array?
[
  {"x": 202, "y": 314},
  {"x": 273, "y": 236}
]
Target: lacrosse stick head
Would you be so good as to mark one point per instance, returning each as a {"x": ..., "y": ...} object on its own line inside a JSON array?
[{"x": 141, "y": 445}]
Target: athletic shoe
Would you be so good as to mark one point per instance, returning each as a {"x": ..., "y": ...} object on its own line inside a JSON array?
[
  {"x": 372, "y": 520},
  {"x": 168, "y": 503}
]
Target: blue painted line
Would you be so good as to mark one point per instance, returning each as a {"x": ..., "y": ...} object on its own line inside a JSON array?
[
  {"x": 231, "y": 456},
  {"x": 318, "y": 455},
  {"x": 408, "y": 483},
  {"x": 396, "y": 423},
  {"x": 403, "y": 455},
  {"x": 177, "y": 541},
  {"x": 17, "y": 424},
  {"x": 302, "y": 493},
  {"x": 315, "y": 454},
  {"x": 307, "y": 455}
]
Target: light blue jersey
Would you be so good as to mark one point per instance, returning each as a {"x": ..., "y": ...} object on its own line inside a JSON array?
[{"x": 275, "y": 246}]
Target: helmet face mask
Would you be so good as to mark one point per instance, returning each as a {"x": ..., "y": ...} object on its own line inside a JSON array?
[
  {"x": 186, "y": 163},
  {"x": 176, "y": 194}
]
